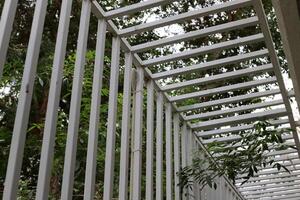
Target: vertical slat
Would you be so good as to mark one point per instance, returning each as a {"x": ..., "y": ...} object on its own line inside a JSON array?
[
  {"x": 176, "y": 155},
  {"x": 183, "y": 153},
  {"x": 6, "y": 24},
  {"x": 25, "y": 97},
  {"x": 159, "y": 146},
  {"x": 53, "y": 102},
  {"x": 125, "y": 135},
  {"x": 91, "y": 161},
  {"x": 169, "y": 171},
  {"x": 189, "y": 157},
  {"x": 133, "y": 85},
  {"x": 150, "y": 138},
  {"x": 195, "y": 185},
  {"x": 71, "y": 146},
  {"x": 112, "y": 118},
  {"x": 138, "y": 135}
]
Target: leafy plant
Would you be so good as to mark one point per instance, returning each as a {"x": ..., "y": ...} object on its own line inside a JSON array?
[{"x": 245, "y": 156}]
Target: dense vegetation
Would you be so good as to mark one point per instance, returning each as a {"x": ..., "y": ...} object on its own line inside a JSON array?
[{"x": 10, "y": 84}]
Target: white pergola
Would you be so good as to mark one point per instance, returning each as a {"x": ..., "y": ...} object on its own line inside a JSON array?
[{"x": 166, "y": 118}]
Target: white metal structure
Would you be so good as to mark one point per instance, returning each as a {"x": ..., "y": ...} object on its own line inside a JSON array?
[{"x": 173, "y": 130}]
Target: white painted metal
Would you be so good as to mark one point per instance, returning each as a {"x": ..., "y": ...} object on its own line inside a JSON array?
[
  {"x": 219, "y": 77},
  {"x": 234, "y": 110},
  {"x": 184, "y": 152},
  {"x": 259, "y": 9},
  {"x": 237, "y": 128},
  {"x": 242, "y": 118},
  {"x": 275, "y": 188},
  {"x": 176, "y": 144},
  {"x": 210, "y": 64},
  {"x": 6, "y": 24},
  {"x": 223, "y": 89},
  {"x": 71, "y": 146},
  {"x": 125, "y": 135},
  {"x": 24, "y": 100},
  {"x": 150, "y": 138},
  {"x": 204, "y": 50},
  {"x": 169, "y": 157},
  {"x": 134, "y": 8},
  {"x": 196, "y": 34},
  {"x": 138, "y": 135},
  {"x": 183, "y": 146},
  {"x": 47, "y": 151},
  {"x": 228, "y": 100},
  {"x": 111, "y": 124},
  {"x": 185, "y": 16},
  {"x": 159, "y": 146},
  {"x": 91, "y": 163}
]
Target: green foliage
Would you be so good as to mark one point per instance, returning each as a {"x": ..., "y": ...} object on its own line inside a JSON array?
[{"x": 246, "y": 156}]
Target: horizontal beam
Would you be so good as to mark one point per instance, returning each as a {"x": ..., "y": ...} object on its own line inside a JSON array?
[
  {"x": 134, "y": 8},
  {"x": 293, "y": 196},
  {"x": 231, "y": 5},
  {"x": 234, "y": 138},
  {"x": 272, "y": 171},
  {"x": 219, "y": 77},
  {"x": 274, "y": 188},
  {"x": 226, "y": 101},
  {"x": 238, "y": 109},
  {"x": 196, "y": 34},
  {"x": 223, "y": 89},
  {"x": 275, "y": 194},
  {"x": 239, "y": 119},
  {"x": 265, "y": 178},
  {"x": 237, "y": 128},
  {"x": 261, "y": 185},
  {"x": 204, "y": 50},
  {"x": 210, "y": 65}
]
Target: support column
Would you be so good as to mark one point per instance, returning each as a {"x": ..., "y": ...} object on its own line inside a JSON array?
[
  {"x": 159, "y": 146},
  {"x": 184, "y": 154},
  {"x": 176, "y": 155},
  {"x": 71, "y": 146},
  {"x": 6, "y": 24},
  {"x": 138, "y": 134},
  {"x": 112, "y": 118},
  {"x": 25, "y": 96},
  {"x": 169, "y": 171},
  {"x": 125, "y": 135},
  {"x": 150, "y": 138},
  {"x": 91, "y": 161},
  {"x": 46, "y": 158}
]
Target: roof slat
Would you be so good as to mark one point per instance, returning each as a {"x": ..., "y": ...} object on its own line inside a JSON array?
[
  {"x": 196, "y": 34},
  {"x": 204, "y": 50},
  {"x": 230, "y": 5},
  {"x": 223, "y": 89},
  {"x": 219, "y": 77}
]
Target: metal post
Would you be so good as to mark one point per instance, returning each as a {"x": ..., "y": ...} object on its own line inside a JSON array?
[
  {"x": 159, "y": 146},
  {"x": 176, "y": 155},
  {"x": 25, "y": 96},
  {"x": 169, "y": 171},
  {"x": 184, "y": 153},
  {"x": 138, "y": 130},
  {"x": 71, "y": 146},
  {"x": 91, "y": 160},
  {"x": 6, "y": 24},
  {"x": 111, "y": 123},
  {"x": 150, "y": 138},
  {"x": 258, "y": 6},
  {"x": 125, "y": 135},
  {"x": 53, "y": 102}
]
